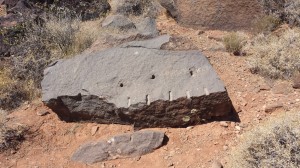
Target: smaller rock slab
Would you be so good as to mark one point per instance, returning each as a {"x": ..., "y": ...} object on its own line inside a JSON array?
[
  {"x": 118, "y": 22},
  {"x": 121, "y": 146},
  {"x": 296, "y": 81}
]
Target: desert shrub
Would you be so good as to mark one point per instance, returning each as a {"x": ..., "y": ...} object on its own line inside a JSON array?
[
  {"x": 62, "y": 36},
  {"x": 88, "y": 9},
  {"x": 60, "y": 33},
  {"x": 292, "y": 12},
  {"x": 11, "y": 37},
  {"x": 10, "y": 138},
  {"x": 11, "y": 92},
  {"x": 138, "y": 7},
  {"x": 286, "y": 10},
  {"x": 45, "y": 41},
  {"x": 266, "y": 24},
  {"x": 234, "y": 43},
  {"x": 275, "y": 57},
  {"x": 275, "y": 144}
]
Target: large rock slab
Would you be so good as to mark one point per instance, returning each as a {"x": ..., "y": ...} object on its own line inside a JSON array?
[
  {"x": 137, "y": 83},
  {"x": 121, "y": 146},
  {"x": 216, "y": 14}
]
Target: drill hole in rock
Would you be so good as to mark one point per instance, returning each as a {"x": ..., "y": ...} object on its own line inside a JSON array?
[
  {"x": 121, "y": 85},
  {"x": 153, "y": 77},
  {"x": 191, "y": 72}
]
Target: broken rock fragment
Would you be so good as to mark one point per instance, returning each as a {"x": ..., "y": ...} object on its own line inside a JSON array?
[{"x": 121, "y": 146}]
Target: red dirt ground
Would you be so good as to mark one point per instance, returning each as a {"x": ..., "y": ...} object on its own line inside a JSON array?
[{"x": 52, "y": 142}]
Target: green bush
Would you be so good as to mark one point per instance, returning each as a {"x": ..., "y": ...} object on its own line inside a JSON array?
[{"x": 234, "y": 43}]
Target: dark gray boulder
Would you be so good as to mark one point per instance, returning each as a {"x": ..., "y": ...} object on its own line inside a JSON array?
[
  {"x": 121, "y": 146},
  {"x": 147, "y": 27},
  {"x": 137, "y": 83},
  {"x": 170, "y": 6}
]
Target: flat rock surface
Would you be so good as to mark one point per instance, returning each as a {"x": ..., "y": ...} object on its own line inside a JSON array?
[
  {"x": 121, "y": 146},
  {"x": 134, "y": 81}
]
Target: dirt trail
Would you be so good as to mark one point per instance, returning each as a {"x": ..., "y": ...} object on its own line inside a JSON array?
[{"x": 52, "y": 141}]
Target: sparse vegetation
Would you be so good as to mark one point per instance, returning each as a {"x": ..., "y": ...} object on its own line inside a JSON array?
[
  {"x": 44, "y": 41},
  {"x": 266, "y": 24},
  {"x": 275, "y": 57},
  {"x": 234, "y": 43},
  {"x": 292, "y": 11},
  {"x": 10, "y": 138},
  {"x": 138, "y": 7},
  {"x": 275, "y": 144},
  {"x": 285, "y": 10},
  {"x": 11, "y": 92}
]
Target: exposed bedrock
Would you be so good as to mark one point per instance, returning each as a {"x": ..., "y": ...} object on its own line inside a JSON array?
[{"x": 137, "y": 83}]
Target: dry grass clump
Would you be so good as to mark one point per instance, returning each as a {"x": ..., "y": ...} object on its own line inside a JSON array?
[
  {"x": 234, "y": 42},
  {"x": 11, "y": 92},
  {"x": 5, "y": 80},
  {"x": 275, "y": 57},
  {"x": 45, "y": 41},
  {"x": 9, "y": 138},
  {"x": 67, "y": 37},
  {"x": 266, "y": 24},
  {"x": 275, "y": 144}
]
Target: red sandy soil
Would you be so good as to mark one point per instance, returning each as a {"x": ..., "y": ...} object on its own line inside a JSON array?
[{"x": 52, "y": 141}]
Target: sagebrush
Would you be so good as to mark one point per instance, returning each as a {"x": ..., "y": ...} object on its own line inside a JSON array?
[
  {"x": 266, "y": 24},
  {"x": 286, "y": 10},
  {"x": 275, "y": 56},
  {"x": 275, "y": 144}
]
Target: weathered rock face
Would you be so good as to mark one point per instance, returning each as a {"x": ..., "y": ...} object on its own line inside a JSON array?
[
  {"x": 225, "y": 14},
  {"x": 118, "y": 22},
  {"x": 136, "y": 83},
  {"x": 147, "y": 27},
  {"x": 121, "y": 146},
  {"x": 133, "y": 20},
  {"x": 143, "y": 26}
]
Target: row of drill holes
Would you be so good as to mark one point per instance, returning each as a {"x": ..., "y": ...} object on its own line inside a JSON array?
[{"x": 153, "y": 77}]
